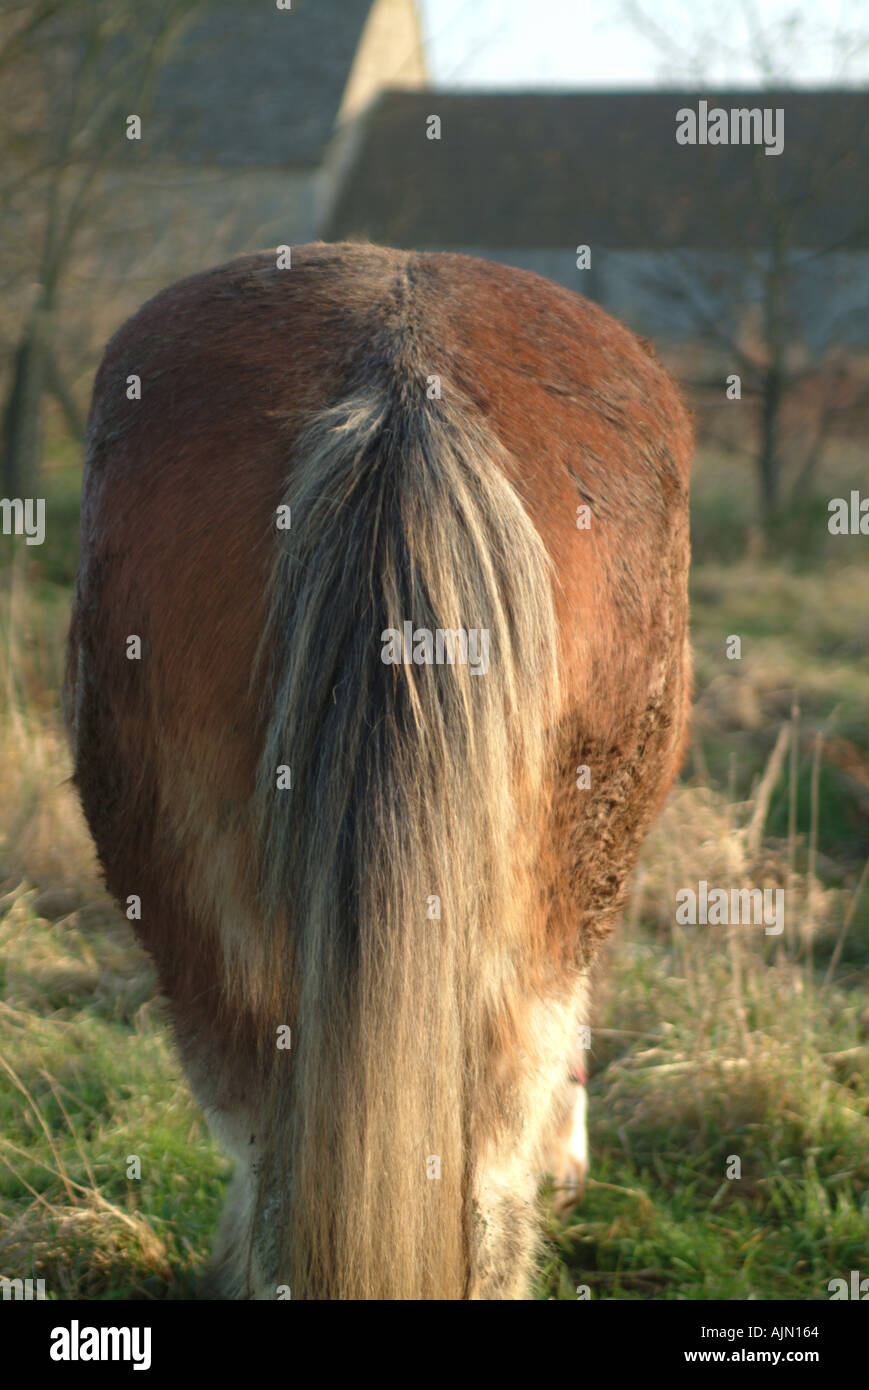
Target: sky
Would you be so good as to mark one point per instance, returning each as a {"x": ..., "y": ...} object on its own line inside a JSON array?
[{"x": 597, "y": 43}]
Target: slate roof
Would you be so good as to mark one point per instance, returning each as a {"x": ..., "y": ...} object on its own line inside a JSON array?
[
  {"x": 251, "y": 84},
  {"x": 556, "y": 170}
]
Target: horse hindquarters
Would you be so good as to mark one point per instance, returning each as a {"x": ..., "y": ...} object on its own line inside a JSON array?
[{"x": 288, "y": 808}]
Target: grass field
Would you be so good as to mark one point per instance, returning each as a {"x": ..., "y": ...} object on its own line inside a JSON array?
[{"x": 710, "y": 1044}]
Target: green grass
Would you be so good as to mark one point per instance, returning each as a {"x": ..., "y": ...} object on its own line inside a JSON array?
[
  {"x": 678, "y": 1098},
  {"x": 89, "y": 1080}
]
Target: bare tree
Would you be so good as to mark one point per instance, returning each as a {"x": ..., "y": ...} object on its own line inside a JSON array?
[
  {"x": 749, "y": 302},
  {"x": 72, "y": 73}
]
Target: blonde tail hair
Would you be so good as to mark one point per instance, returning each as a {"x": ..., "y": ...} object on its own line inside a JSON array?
[{"x": 396, "y": 873}]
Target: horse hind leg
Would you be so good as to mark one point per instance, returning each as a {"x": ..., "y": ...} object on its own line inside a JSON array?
[
  {"x": 226, "y": 1276},
  {"x": 505, "y": 1210},
  {"x": 568, "y": 1160},
  {"x": 223, "y": 1090}
]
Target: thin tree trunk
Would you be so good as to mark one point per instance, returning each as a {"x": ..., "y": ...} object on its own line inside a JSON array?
[
  {"x": 22, "y": 413},
  {"x": 769, "y": 458},
  {"x": 769, "y": 461}
]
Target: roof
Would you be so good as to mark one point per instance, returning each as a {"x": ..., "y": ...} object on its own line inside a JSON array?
[
  {"x": 252, "y": 84},
  {"x": 559, "y": 170}
]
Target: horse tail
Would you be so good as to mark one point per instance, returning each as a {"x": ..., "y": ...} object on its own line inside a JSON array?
[{"x": 398, "y": 846}]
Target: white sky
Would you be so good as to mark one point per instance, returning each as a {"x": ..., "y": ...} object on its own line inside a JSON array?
[{"x": 594, "y": 43}]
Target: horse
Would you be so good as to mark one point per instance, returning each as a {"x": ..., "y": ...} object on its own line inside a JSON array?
[{"x": 378, "y": 672}]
